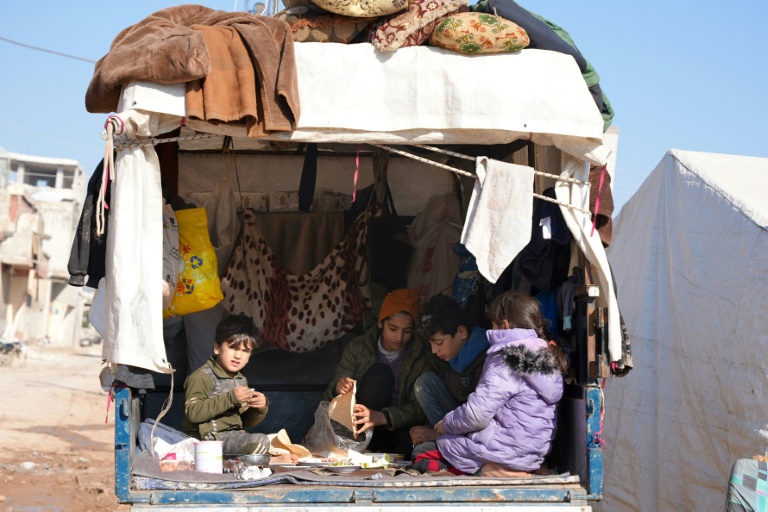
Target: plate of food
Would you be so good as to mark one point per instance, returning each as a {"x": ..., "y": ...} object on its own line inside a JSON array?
[
  {"x": 316, "y": 463},
  {"x": 347, "y": 468}
]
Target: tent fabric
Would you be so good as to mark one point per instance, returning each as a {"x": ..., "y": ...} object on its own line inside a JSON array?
[{"x": 690, "y": 258}]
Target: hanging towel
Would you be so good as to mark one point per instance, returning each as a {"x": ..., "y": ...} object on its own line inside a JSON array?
[{"x": 498, "y": 223}]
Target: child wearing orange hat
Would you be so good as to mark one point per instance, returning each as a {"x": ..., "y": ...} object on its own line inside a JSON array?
[{"x": 385, "y": 363}]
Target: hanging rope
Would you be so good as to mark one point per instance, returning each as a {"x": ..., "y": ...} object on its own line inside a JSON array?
[
  {"x": 539, "y": 173},
  {"x": 112, "y": 127},
  {"x": 469, "y": 174}
]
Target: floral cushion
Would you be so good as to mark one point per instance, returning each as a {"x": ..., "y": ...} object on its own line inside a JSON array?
[
  {"x": 475, "y": 32},
  {"x": 413, "y": 26},
  {"x": 312, "y": 25},
  {"x": 362, "y": 8}
]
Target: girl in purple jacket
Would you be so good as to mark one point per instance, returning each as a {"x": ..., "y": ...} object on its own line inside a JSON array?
[{"x": 507, "y": 425}]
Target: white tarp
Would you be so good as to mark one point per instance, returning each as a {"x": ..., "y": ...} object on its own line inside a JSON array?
[
  {"x": 424, "y": 95},
  {"x": 690, "y": 257}
]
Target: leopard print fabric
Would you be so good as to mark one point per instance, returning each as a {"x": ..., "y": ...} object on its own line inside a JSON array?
[{"x": 300, "y": 313}]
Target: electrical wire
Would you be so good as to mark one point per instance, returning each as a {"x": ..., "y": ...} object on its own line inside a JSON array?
[{"x": 46, "y": 51}]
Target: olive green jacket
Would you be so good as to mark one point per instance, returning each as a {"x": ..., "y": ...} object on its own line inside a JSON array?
[
  {"x": 362, "y": 353},
  {"x": 210, "y": 404}
]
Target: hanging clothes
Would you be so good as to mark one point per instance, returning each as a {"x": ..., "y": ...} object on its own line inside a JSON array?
[
  {"x": 497, "y": 225},
  {"x": 87, "y": 256},
  {"x": 304, "y": 312},
  {"x": 544, "y": 261}
]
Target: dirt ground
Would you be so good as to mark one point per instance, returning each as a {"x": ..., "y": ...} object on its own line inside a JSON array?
[{"x": 56, "y": 452}]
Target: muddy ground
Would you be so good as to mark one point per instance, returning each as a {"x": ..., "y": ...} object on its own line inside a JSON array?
[{"x": 56, "y": 451}]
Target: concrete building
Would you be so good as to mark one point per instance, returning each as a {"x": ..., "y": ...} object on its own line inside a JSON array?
[{"x": 40, "y": 203}]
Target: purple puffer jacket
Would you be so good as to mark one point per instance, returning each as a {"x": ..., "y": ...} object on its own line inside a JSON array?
[{"x": 510, "y": 418}]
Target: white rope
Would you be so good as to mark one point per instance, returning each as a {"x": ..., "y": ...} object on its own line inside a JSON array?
[
  {"x": 108, "y": 169},
  {"x": 152, "y": 141},
  {"x": 567, "y": 205},
  {"x": 427, "y": 161},
  {"x": 539, "y": 173},
  {"x": 465, "y": 173}
]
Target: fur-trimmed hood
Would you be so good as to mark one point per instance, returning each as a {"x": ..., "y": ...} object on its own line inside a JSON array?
[{"x": 528, "y": 356}]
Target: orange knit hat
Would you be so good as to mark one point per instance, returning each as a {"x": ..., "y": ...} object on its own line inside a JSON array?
[{"x": 405, "y": 299}]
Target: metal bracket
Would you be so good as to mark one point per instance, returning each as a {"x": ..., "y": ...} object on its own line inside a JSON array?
[
  {"x": 363, "y": 497},
  {"x": 578, "y": 498}
]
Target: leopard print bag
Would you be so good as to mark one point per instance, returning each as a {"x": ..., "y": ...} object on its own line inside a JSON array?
[{"x": 300, "y": 313}]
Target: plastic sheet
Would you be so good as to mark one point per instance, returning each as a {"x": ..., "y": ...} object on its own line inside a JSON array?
[{"x": 329, "y": 438}]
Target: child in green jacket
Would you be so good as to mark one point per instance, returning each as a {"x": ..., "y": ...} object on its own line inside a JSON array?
[{"x": 218, "y": 404}]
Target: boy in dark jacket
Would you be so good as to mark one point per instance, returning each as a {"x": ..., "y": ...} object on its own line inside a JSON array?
[{"x": 457, "y": 357}]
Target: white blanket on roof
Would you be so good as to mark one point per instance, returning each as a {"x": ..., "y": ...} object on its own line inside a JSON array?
[{"x": 498, "y": 223}]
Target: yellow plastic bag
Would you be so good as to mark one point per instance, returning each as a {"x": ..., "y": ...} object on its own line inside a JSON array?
[{"x": 198, "y": 287}]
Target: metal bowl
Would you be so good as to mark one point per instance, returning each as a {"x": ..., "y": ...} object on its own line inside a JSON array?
[{"x": 256, "y": 459}]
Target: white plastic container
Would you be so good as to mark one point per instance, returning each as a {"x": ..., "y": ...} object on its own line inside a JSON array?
[{"x": 209, "y": 457}]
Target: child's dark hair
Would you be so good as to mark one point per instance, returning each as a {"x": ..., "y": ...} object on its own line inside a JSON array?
[
  {"x": 238, "y": 331},
  {"x": 441, "y": 314},
  {"x": 524, "y": 312}
]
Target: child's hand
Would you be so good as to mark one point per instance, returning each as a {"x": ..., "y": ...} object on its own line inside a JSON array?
[
  {"x": 344, "y": 385},
  {"x": 242, "y": 394},
  {"x": 257, "y": 400},
  {"x": 440, "y": 427},
  {"x": 366, "y": 418},
  {"x": 422, "y": 434}
]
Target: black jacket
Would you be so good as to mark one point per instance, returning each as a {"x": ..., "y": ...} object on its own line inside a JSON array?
[{"x": 89, "y": 251}]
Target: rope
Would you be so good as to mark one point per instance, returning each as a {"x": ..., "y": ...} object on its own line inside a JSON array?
[
  {"x": 166, "y": 407},
  {"x": 465, "y": 173},
  {"x": 108, "y": 169},
  {"x": 426, "y": 161},
  {"x": 539, "y": 173}
]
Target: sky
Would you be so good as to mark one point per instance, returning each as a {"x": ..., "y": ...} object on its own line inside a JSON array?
[{"x": 680, "y": 74}]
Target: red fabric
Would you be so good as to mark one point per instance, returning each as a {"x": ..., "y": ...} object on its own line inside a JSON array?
[{"x": 434, "y": 459}]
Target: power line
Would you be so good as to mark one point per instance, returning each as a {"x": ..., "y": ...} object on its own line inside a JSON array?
[{"x": 46, "y": 51}]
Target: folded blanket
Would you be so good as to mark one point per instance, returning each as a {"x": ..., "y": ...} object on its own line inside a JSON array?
[
  {"x": 134, "y": 56},
  {"x": 165, "y": 48}
]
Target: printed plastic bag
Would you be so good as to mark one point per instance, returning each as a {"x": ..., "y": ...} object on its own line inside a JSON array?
[
  {"x": 198, "y": 286},
  {"x": 170, "y": 255},
  {"x": 328, "y": 438}
]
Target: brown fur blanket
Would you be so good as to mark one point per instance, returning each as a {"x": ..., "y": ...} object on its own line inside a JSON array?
[{"x": 164, "y": 48}]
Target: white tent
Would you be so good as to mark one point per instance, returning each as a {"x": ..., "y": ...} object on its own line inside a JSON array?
[{"x": 690, "y": 258}]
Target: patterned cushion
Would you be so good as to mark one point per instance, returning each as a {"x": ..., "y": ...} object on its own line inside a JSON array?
[
  {"x": 313, "y": 25},
  {"x": 362, "y": 8},
  {"x": 413, "y": 26},
  {"x": 474, "y": 32}
]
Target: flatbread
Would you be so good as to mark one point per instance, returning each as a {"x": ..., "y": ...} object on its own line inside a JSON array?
[
  {"x": 280, "y": 444},
  {"x": 342, "y": 409}
]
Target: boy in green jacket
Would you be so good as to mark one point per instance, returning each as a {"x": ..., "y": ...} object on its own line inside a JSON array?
[
  {"x": 385, "y": 363},
  {"x": 218, "y": 404}
]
